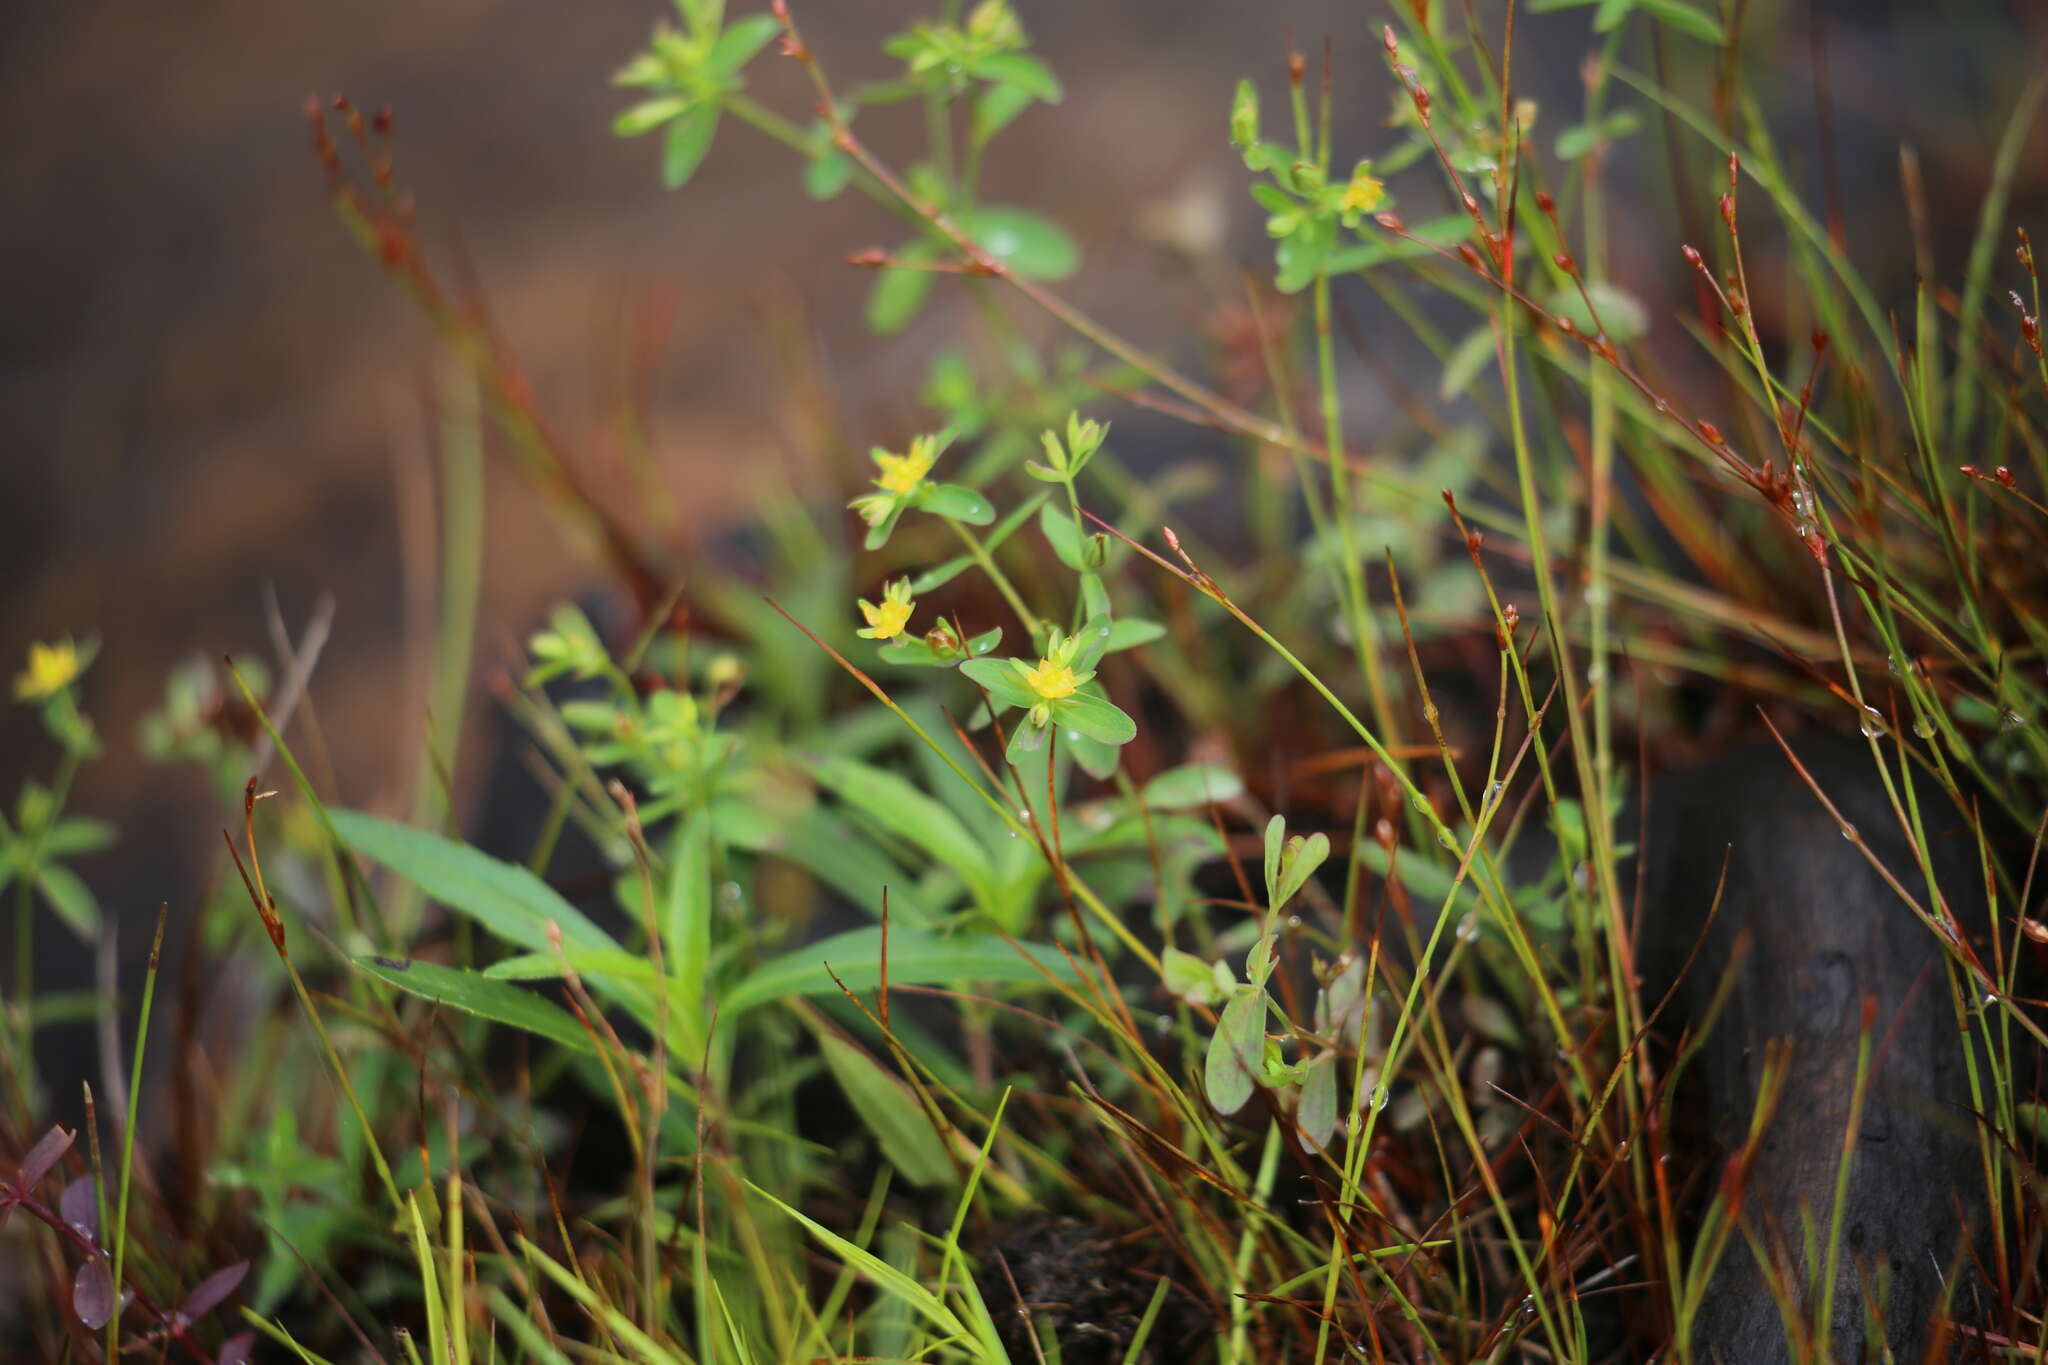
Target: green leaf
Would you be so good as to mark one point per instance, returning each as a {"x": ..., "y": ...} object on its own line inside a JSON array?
[
  {"x": 1191, "y": 978},
  {"x": 1576, "y": 141},
  {"x": 890, "y": 1111},
  {"x": 827, "y": 847},
  {"x": 1465, "y": 361},
  {"x": 1057, "y": 525},
  {"x": 1094, "y": 592},
  {"x": 73, "y": 901},
  {"x": 827, "y": 173},
  {"x": 996, "y": 108},
  {"x": 1030, "y": 245},
  {"x": 1290, "y": 862},
  {"x": 939, "y": 575},
  {"x": 689, "y": 138},
  {"x": 1261, "y": 960},
  {"x": 1192, "y": 787},
  {"x": 1001, "y": 680},
  {"x": 1621, "y": 315},
  {"x": 475, "y": 993},
  {"x": 1611, "y": 13},
  {"x": 1244, "y": 116},
  {"x": 884, "y": 1276},
  {"x": 741, "y": 42},
  {"x": 1096, "y": 717},
  {"x": 1236, "y": 1051},
  {"x": 590, "y": 963},
  {"x": 1315, "y": 1112},
  {"x": 1021, "y": 71},
  {"x": 955, "y": 501},
  {"x": 898, "y": 295},
  {"x": 1301, "y": 252},
  {"x": 75, "y": 834},
  {"x": 1675, "y": 14},
  {"x": 504, "y": 898},
  {"x": 1097, "y": 759},
  {"x": 687, "y": 926},
  {"x": 917, "y": 957},
  {"x": 648, "y": 115},
  {"x": 1128, "y": 632},
  {"x": 899, "y": 807}
]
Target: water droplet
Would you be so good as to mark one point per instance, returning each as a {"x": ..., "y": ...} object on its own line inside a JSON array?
[
  {"x": 1849, "y": 832},
  {"x": 730, "y": 893},
  {"x": 1378, "y": 1101},
  {"x": 1011, "y": 832},
  {"x": 1528, "y": 1309},
  {"x": 1162, "y": 1024},
  {"x": 1493, "y": 791},
  {"x": 1990, "y": 999},
  {"x": 1443, "y": 836},
  {"x": 1468, "y": 927},
  {"x": 1596, "y": 673},
  {"x": 1923, "y": 727},
  {"x": 1598, "y": 594},
  {"x": 1621, "y": 1150},
  {"x": 1420, "y": 802},
  {"x": 2012, "y": 720},
  {"x": 1872, "y": 723},
  {"x": 1294, "y": 921}
]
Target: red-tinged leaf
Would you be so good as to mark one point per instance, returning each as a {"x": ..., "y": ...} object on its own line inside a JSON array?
[
  {"x": 238, "y": 1349},
  {"x": 211, "y": 1290},
  {"x": 44, "y": 1156},
  {"x": 80, "y": 1205},
  {"x": 92, "y": 1293}
]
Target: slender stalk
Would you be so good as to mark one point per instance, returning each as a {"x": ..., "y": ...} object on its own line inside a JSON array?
[{"x": 128, "y": 1129}]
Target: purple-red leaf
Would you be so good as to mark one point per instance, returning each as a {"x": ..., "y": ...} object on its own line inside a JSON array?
[
  {"x": 92, "y": 1293},
  {"x": 43, "y": 1157},
  {"x": 235, "y": 1350},
  {"x": 80, "y": 1205},
  {"x": 211, "y": 1291}
]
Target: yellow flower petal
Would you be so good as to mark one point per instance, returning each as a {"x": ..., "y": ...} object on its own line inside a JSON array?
[
  {"x": 1363, "y": 194},
  {"x": 1051, "y": 680},
  {"x": 51, "y": 668}
]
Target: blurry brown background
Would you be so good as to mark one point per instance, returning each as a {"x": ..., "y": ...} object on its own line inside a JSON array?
[{"x": 206, "y": 389}]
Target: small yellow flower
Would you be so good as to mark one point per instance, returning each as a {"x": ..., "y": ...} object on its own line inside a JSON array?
[
  {"x": 1364, "y": 193},
  {"x": 886, "y": 621},
  {"x": 901, "y": 474},
  {"x": 51, "y": 669},
  {"x": 1052, "y": 680}
]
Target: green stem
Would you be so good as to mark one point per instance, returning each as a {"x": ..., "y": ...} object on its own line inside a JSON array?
[
  {"x": 1032, "y": 625},
  {"x": 1357, "y": 605},
  {"x": 128, "y": 1129}
]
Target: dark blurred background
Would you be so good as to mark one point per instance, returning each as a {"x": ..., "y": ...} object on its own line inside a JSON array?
[{"x": 207, "y": 391}]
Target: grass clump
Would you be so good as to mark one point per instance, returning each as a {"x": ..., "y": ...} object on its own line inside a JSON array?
[{"x": 1001, "y": 927}]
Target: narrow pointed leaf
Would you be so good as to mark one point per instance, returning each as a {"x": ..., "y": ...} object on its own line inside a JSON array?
[{"x": 475, "y": 993}]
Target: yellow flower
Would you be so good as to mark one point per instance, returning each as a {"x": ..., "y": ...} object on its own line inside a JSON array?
[
  {"x": 1364, "y": 193},
  {"x": 901, "y": 474},
  {"x": 51, "y": 669},
  {"x": 1052, "y": 680},
  {"x": 886, "y": 622}
]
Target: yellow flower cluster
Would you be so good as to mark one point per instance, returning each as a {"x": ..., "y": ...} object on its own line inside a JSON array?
[{"x": 887, "y": 618}]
